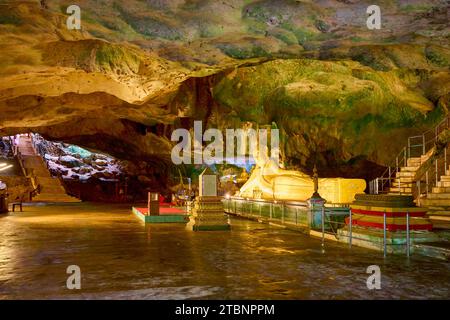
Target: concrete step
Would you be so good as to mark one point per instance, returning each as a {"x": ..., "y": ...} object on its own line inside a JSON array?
[
  {"x": 33, "y": 162},
  {"x": 407, "y": 182},
  {"x": 443, "y": 184},
  {"x": 409, "y": 169},
  {"x": 443, "y": 213},
  {"x": 404, "y": 174},
  {"x": 42, "y": 174},
  {"x": 54, "y": 190},
  {"x": 48, "y": 181},
  {"x": 441, "y": 189},
  {"x": 58, "y": 189},
  {"x": 413, "y": 162},
  {"x": 435, "y": 202},
  {"x": 34, "y": 157},
  {"x": 400, "y": 190},
  {"x": 434, "y": 208},
  {"x": 437, "y": 220},
  {"x": 439, "y": 196},
  {"x": 56, "y": 201},
  {"x": 54, "y": 197},
  {"x": 27, "y": 152}
]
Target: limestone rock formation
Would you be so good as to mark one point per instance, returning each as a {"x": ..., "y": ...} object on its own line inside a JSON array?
[{"x": 343, "y": 96}]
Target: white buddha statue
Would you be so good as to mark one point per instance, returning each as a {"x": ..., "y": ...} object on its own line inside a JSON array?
[{"x": 273, "y": 182}]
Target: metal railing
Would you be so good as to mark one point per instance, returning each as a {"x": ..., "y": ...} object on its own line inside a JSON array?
[
  {"x": 383, "y": 183},
  {"x": 344, "y": 230},
  {"x": 36, "y": 143},
  {"x": 28, "y": 173},
  {"x": 429, "y": 179},
  {"x": 286, "y": 212},
  {"x": 417, "y": 146},
  {"x": 336, "y": 220}
]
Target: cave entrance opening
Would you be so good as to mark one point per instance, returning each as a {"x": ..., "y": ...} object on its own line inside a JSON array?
[
  {"x": 49, "y": 171},
  {"x": 83, "y": 173}
]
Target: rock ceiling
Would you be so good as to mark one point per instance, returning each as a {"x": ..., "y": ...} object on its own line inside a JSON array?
[{"x": 338, "y": 91}]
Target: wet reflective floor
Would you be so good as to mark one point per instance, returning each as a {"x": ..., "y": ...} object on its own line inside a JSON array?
[{"x": 120, "y": 258}]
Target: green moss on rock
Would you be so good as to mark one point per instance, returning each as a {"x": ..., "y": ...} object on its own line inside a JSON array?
[{"x": 340, "y": 108}]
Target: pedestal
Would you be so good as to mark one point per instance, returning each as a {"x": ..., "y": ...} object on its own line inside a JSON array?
[
  {"x": 372, "y": 213},
  {"x": 368, "y": 211},
  {"x": 209, "y": 214}
]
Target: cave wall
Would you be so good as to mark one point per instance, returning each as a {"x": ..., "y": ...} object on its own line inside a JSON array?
[{"x": 344, "y": 97}]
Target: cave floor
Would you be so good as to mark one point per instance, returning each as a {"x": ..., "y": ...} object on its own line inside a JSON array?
[{"x": 120, "y": 258}]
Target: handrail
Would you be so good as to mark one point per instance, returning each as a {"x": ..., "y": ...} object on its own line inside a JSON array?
[
  {"x": 337, "y": 223},
  {"x": 27, "y": 173},
  {"x": 385, "y": 181},
  {"x": 389, "y": 174},
  {"x": 427, "y": 180},
  {"x": 35, "y": 192}
]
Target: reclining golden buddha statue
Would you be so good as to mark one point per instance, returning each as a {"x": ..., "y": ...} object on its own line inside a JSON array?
[{"x": 269, "y": 181}]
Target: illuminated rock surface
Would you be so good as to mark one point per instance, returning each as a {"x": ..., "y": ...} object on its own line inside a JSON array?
[
  {"x": 344, "y": 98},
  {"x": 342, "y": 95}
]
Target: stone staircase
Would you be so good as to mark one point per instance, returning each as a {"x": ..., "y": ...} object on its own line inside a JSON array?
[
  {"x": 438, "y": 201},
  {"x": 404, "y": 179},
  {"x": 428, "y": 182},
  {"x": 51, "y": 189}
]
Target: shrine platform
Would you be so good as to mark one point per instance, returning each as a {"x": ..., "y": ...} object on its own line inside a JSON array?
[
  {"x": 372, "y": 217},
  {"x": 372, "y": 213},
  {"x": 166, "y": 215}
]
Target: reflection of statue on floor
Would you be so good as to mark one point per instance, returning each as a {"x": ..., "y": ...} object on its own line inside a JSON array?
[{"x": 273, "y": 182}]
